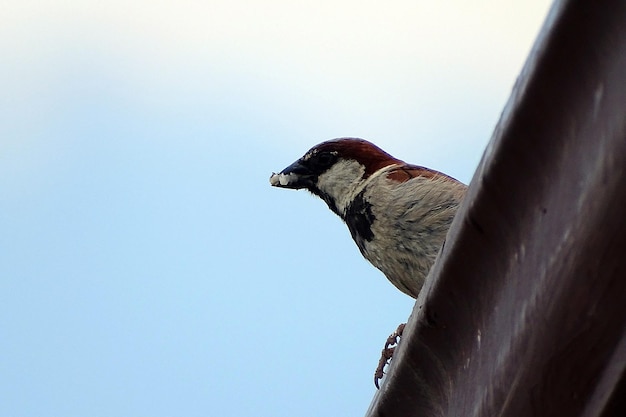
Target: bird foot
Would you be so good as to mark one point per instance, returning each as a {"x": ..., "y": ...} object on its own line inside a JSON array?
[{"x": 387, "y": 353}]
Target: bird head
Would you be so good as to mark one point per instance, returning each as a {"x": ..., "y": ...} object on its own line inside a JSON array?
[{"x": 335, "y": 170}]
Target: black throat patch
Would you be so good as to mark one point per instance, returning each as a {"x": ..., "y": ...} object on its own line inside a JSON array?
[{"x": 359, "y": 219}]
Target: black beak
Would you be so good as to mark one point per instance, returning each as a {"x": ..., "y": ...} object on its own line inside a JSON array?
[{"x": 295, "y": 176}]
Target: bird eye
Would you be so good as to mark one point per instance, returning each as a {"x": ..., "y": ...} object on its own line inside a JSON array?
[{"x": 325, "y": 159}]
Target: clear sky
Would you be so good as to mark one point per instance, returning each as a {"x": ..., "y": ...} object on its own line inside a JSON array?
[{"x": 147, "y": 268}]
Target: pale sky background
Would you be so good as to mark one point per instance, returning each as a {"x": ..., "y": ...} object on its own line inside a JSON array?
[{"x": 147, "y": 268}]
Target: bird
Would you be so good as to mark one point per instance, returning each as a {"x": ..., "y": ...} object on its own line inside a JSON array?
[{"x": 397, "y": 213}]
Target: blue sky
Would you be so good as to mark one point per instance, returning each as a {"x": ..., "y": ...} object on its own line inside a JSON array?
[{"x": 147, "y": 268}]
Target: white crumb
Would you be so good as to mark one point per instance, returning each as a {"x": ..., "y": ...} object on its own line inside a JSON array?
[{"x": 280, "y": 179}]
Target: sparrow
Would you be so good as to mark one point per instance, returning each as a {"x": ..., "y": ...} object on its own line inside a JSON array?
[{"x": 398, "y": 214}]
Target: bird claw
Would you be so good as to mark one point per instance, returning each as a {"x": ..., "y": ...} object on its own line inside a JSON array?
[
  {"x": 387, "y": 353},
  {"x": 385, "y": 356}
]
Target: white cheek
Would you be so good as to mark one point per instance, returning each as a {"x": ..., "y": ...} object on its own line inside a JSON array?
[{"x": 341, "y": 181}]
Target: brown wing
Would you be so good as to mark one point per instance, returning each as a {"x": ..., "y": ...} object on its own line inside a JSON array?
[{"x": 406, "y": 172}]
